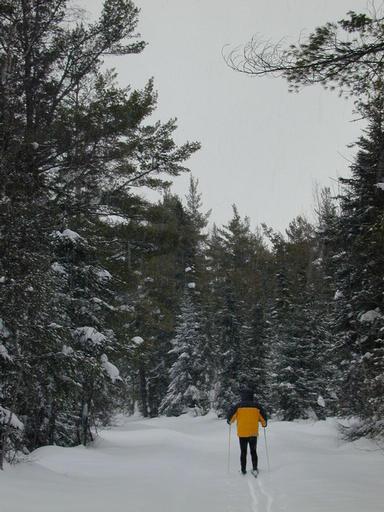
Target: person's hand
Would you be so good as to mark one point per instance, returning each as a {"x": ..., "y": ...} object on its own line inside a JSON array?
[{"x": 228, "y": 422}]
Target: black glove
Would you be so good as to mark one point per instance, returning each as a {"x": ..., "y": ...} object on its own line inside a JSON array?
[{"x": 229, "y": 422}]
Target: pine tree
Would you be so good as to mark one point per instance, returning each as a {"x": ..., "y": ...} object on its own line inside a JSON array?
[
  {"x": 189, "y": 381},
  {"x": 359, "y": 279},
  {"x": 255, "y": 351},
  {"x": 238, "y": 259},
  {"x": 73, "y": 148},
  {"x": 299, "y": 327},
  {"x": 198, "y": 222},
  {"x": 160, "y": 288}
]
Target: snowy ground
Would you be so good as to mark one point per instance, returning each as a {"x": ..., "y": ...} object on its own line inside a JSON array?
[{"x": 180, "y": 465}]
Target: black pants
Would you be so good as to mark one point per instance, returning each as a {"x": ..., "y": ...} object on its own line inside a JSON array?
[{"x": 244, "y": 441}]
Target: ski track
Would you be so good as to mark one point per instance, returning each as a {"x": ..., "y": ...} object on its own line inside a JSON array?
[
  {"x": 180, "y": 465},
  {"x": 254, "y": 500},
  {"x": 267, "y": 495},
  {"x": 261, "y": 500}
]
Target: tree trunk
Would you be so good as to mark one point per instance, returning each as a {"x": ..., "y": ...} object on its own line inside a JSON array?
[{"x": 143, "y": 391}]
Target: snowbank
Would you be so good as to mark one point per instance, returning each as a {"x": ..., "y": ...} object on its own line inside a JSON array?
[{"x": 180, "y": 465}]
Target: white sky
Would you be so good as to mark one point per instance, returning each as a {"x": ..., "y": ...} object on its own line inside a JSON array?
[{"x": 263, "y": 148}]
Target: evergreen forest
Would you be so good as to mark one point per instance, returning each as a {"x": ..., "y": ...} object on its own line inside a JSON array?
[{"x": 112, "y": 302}]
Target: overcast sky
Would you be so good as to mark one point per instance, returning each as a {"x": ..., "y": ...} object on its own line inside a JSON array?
[{"x": 263, "y": 148}]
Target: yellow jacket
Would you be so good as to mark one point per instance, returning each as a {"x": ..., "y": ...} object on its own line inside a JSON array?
[{"x": 248, "y": 416}]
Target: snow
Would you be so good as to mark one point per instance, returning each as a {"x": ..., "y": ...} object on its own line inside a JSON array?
[
  {"x": 188, "y": 269},
  {"x": 380, "y": 186},
  {"x": 338, "y": 295},
  {"x": 69, "y": 235},
  {"x": 113, "y": 220},
  {"x": 54, "y": 325},
  {"x": 320, "y": 401},
  {"x": 371, "y": 316},
  {"x": 180, "y": 465},
  {"x": 339, "y": 255},
  {"x": 4, "y": 332},
  {"x": 103, "y": 275},
  {"x": 192, "y": 285},
  {"x": 4, "y": 353},
  {"x": 57, "y": 267},
  {"x": 90, "y": 335},
  {"x": 66, "y": 350},
  {"x": 111, "y": 370},
  {"x": 9, "y": 418},
  {"x": 137, "y": 340},
  {"x": 127, "y": 308},
  {"x": 100, "y": 302}
]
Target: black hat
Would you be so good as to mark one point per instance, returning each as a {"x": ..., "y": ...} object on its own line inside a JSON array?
[{"x": 246, "y": 394}]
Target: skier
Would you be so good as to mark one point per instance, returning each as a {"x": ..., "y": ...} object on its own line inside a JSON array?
[{"x": 247, "y": 413}]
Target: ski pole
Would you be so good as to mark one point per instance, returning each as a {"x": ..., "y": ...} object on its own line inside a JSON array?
[
  {"x": 229, "y": 446},
  {"x": 266, "y": 450}
]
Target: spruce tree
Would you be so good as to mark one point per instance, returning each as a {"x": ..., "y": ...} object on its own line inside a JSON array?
[{"x": 189, "y": 381}]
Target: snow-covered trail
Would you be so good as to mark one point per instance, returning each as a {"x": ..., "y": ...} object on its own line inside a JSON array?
[{"x": 180, "y": 465}]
